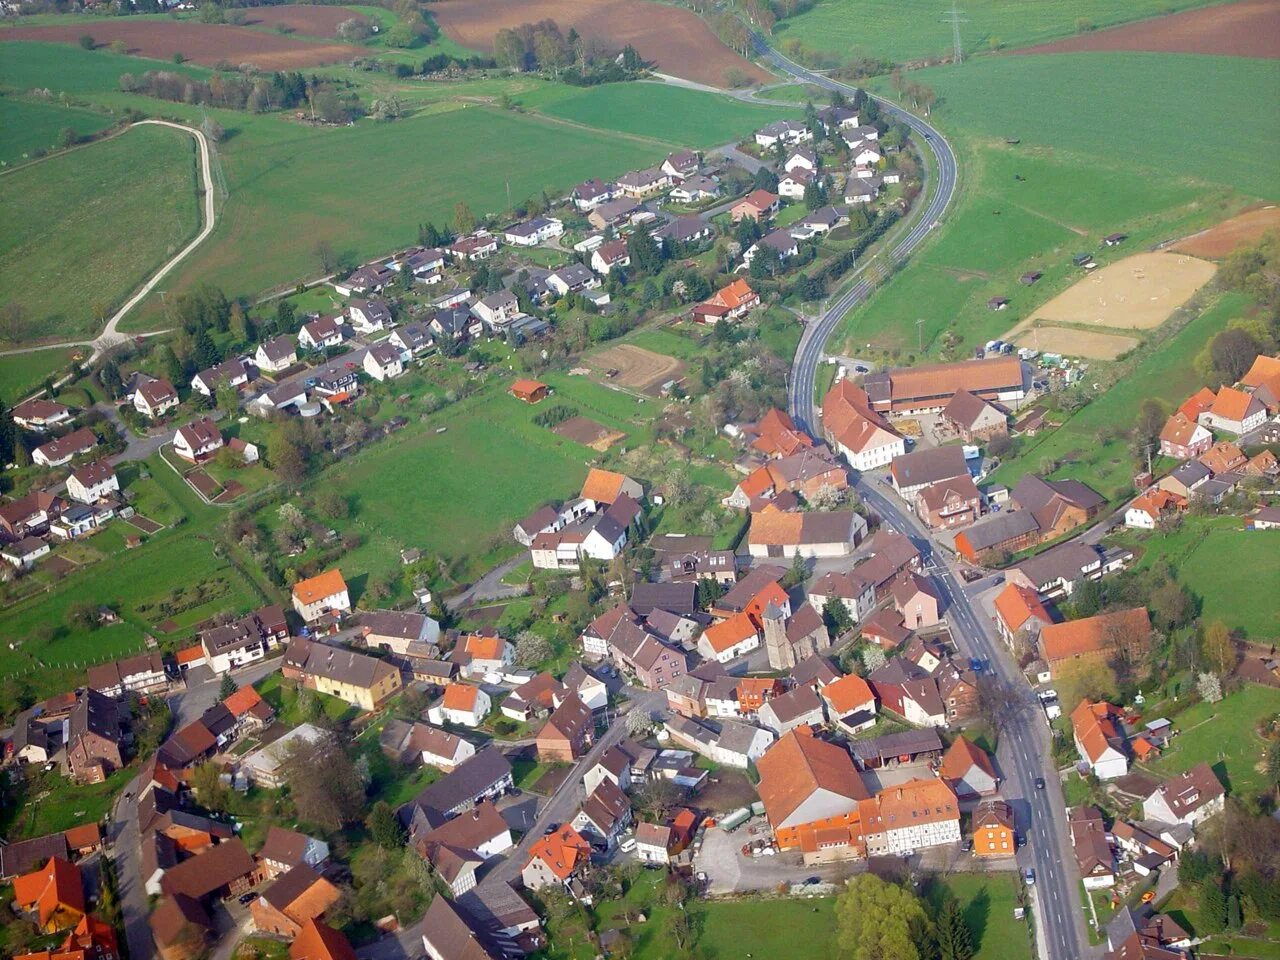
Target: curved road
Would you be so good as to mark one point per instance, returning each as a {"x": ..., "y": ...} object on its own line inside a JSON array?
[{"x": 1024, "y": 752}]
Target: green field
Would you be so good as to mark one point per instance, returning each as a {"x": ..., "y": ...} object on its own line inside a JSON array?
[
  {"x": 1223, "y": 736},
  {"x": 987, "y": 903},
  {"x": 85, "y": 228},
  {"x": 907, "y": 30},
  {"x": 64, "y": 69},
  {"x": 20, "y": 373},
  {"x": 29, "y": 125}
]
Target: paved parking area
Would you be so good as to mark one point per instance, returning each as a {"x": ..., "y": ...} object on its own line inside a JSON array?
[{"x": 728, "y": 871}]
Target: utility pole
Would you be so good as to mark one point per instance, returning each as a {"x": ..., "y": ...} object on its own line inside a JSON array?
[
  {"x": 920, "y": 333},
  {"x": 955, "y": 20}
]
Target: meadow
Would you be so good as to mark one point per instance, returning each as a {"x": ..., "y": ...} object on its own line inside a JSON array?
[
  {"x": 21, "y": 373},
  {"x": 86, "y": 227},
  {"x": 30, "y": 125},
  {"x": 907, "y": 30}
]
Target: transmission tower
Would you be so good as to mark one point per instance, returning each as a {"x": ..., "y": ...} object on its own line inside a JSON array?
[{"x": 955, "y": 20}]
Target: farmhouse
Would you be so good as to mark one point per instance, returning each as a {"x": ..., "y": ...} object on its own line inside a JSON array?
[
  {"x": 58, "y": 452},
  {"x": 1234, "y": 411},
  {"x": 1019, "y": 612},
  {"x": 1089, "y": 844},
  {"x": 556, "y": 858},
  {"x": 968, "y": 769},
  {"x": 365, "y": 682},
  {"x": 154, "y": 398},
  {"x": 973, "y": 418},
  {"x": 1099, "y": 740},
  {"x": 912, "y": 472},
  {"x": 1146, "y": 512},
  {"x": 860, "y": 434},
  {"x": 197, "y": 440},
  {"x": 40, "y": 415},
  {"x": 929, "y": 388},
  {"x": 728, "y": 303},
  {"x": 777, "y": 534},
  {"x": 1095, "y": 638},
  {"x": 1057, "y": 571},
  {"x": 298, "y": 896},
  {"x": 1183, "y": 438},
  {"x": 396, "y": 630},
  {"x": 54, "y": 895}
]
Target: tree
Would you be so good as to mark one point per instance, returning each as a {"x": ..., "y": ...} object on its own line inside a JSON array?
[
  {"x": 87, "y": 42},
  {"x": 206, "y": 781},
  {"x": 227, "y": 398},
  {"x": 797, "y": 573},
  {"x": 1212, "y": 915},
  {"x": 999, "y": 703},
  {"x": 324, "y": 782},
  {"x": 464, "y": 221},
  {"x": 1219, "y": 650},
  {"x": 331, "y": 505},
  {"x": 836, "y": 617},
  {"x": 109, "y": 377},
  {"x": 288, "y": 458},
  {"x": 15, "y": 322},
  {"x": 677, "y": 487},
  {"x": 1209, "y": 687},
  {"x": 827, "y": 497},
  {"x": 873, "y": 658},
  {"x": 639, "y": 723},
  {"x": 1151, "y": 419},
  {"x": 226, "y": 687},
  {"x": 955, "y": 940},
  {"x": 532, "y": 649},
  {"x": 709, "y": 591},
  {"x": 1235, "y": 919},
  {"x": 384, "y": 827},
  {"x": 878, "y": 920},
  {"x": 1233, "y": 351}
]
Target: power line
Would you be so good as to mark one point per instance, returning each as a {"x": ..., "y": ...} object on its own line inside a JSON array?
[{"x": 955, "y": 20}]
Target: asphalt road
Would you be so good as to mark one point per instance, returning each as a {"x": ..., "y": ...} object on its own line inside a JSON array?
[{"x": 1024, "y": 751}]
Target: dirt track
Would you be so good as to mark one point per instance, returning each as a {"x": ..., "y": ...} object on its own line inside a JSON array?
[
  {"x": 1250, "y": 28},
  {"x": 201, "y": 43},
  {"x": 1221, "y": 240},
  {"x": 676, "y": 41}
]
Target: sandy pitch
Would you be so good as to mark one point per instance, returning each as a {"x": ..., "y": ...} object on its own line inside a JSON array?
[
  {"x": 638, "y": 368},
  {"x": 1138, "y": 293},
  {"x": 1076, "y": 343}
]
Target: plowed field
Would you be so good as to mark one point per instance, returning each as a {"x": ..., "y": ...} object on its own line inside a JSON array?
[
  {"x": 1250, "y": 28},
  {"x": 638, "y": 368},
  {"x": 203, "y": 43},
  {"x": 676, "y": 41},
  {"x": 306, "y": 20},
  {"x": 1222, "y": 240}
]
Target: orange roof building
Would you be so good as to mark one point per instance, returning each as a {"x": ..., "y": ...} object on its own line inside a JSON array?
[
  {"x": 55, "y": 894},
  {"x": 728, "y": 303},
  {"x": 911, "y": 816},
  {"x": 320, "y": 595},
  {"x": 730, "y": 638},
  {"x": 605, "y": 486},
  {"x": 848, "y": 695},
  {"x": 461, "y": 696},
  {"x": 555, "y": 858},
  {"x": 1147, "y": 510},
  {"x": 1263, "y": 380},
  {"x": 319, "y": 941},
  {"x": 776, "y": 433},
  {"x": 1095, "y": 637},
  {"x": 1019, "y": 607},
  {"x": 481, "y": 647},
  {"x": 931, "y": 386},
  {"x": 858, "y": 432},
  {"x": 993, "y": 833},
  {"x": 1099, "y": 740},
  {"x": 1223, "y": 457},
  {"x": 188, "y": 656},
  {"x": 1197, "y": 403},
  {"x": 811, "y": 792},
  {"x": 1235, "y": 406},
  {"x": 530, "y": 391},
  {"x": 968, "y": 769}
]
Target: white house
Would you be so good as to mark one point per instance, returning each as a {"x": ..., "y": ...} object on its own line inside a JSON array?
[
  {"x": 40, "y": 415},
  {"x": 609, "y": 255},
  {"x": 320, "y": 333},
  {"x": 783, "y": 131},
  {"x": 571, "y": 279},
  {"x": 653, "y": 843},
  {"x": 382, "y": 361},
  {"x": 1234, "y": 411},
  {"x": 780, "y": 240},
  {"x": 792, "y": 185},
  {"x": 860, "y": 191},
  {"x": 497, "y": 309},
  {"x": 276, "y": 354},
  {"x": 866, "y": 153},
  {"x": 61, "y": 451},
  {"x": 153, "y": 398},
  {"x": 463, "y": 704},
  {"x": 197, "y": 440},
  {"x": 1098, "y": 739},
  {"x": 912, "y": 816},
  {"x": 232, "y": 372},
  {"x": 25, "y": 552},
  {"x": 729, "y": 639},
  {"x": 92, "y": 482},
  {"x": 441, "y": 749},
  {"x": 801, "y": 158},
  {"x": 854, "y": 591},
  {"x": 369, "y": 316},
  {"x": 1189, "y": 798},
  {"x": 533, "y": 232},
  {"x": 321, "y": 595}
]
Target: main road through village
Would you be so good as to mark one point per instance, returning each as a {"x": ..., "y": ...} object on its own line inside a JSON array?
[{"x": 1024, "y": 750}]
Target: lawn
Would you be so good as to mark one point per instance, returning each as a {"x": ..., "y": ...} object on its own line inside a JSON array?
[
  {"x": 87, "y": 227},
  {"x": 30, "y": 125},
  {"x": 907, "y": 30},
  {"x": 21, "y": 373},
  {"x": 51, "y": 802},
  {"x": 987, "y": 903},
  {"x": 283, "y": 697},
  {"x": 1223, "y": 736}
]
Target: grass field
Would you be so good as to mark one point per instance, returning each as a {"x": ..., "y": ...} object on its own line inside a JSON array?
[
  {"x": 987, "y": 903},
  {"x": 1222, "y": 735},
  {"x": 63, "y": 69},
  {"x": 20, "y": 373},
  {"x": 85, "y": 228},
  {"x": 907, "y": 30},
  {"x": 28, "y": 125}
]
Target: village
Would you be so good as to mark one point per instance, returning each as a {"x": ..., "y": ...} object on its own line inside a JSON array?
[{"x": 778, "y": 710}]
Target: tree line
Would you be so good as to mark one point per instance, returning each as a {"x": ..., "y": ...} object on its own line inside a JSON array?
[{"x": 570, "y": 58}]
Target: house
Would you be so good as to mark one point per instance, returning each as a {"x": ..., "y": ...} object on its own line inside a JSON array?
[
  {"x": 607, "y": 487},
  {"x": 456, "y": 847},
  {"x": 1059, "y": 506},
  {"x": 729, "y": 742},
  {"x": 1184, "y": 438},
  {"x": 1099, "y": 739},
  {"x": 153, "y": 398},
  {"x": 480, "y": 245},
  {"x": 321, "y": 333},
  {"x": 1223, "y": 457},
  {"x": 777, "y": 534},
  {"x": 800, "y": 158},
  {"x": 143, "y": 673},
  {"x": 1146, "y": 511},
  {"x": 556, "y": 858},
  {"x": 297, "y": 896},
  {"x": 800, "y": 706},
  {"x": 58, "y": 452},
  {"x": 40, "y": 415},
  {"x": 681, "y": 165},
  {"x": 95, "y": 735},
  {"x": 614, "y": 213},
  {"x": 860, "y": 434},
  {"x": 530, "y": 391},
  {"x": 911, "y": 816},
  {"x": 728, "y": 303},
  {"x": 812, "y": 794},
  {"x": 955, "y": 502},
  {"x": 1089, "y": 844},
  {"x": 590, "y": 194},
  {"x": 993, "y": 830},
  {"x": 245, "y": 640},
  {"x": 850, "y": 587},
  {"x": 1189, "y": 798},
  {"x": 222, "y": 871},
  {"x": 792, "y": 185},
  {"x": 362, "y": 681},
  {"x": 533, "y": 232},
  {"x": 1234, "y": 411},
  {"x": 573, "y": 278},
  {"x": 382, "y": 361},
  {"x": 54, "y": 895},
  {"x": 417, "y": 742},
  {"x": 450, "y": 934},
  {"x": 396, "y": 630},
  {"x": 1264, "y": 518},
  {"x": 654, "y": 843},
  {"x": 653, "y": 662},
  {"x": 486, "y": 776},
  {"x": 638, "y": 184},
  {"x": 497, "y": 310},
  {"x": 604, "y": 814},
  {"x": 411, "y": 340},
  {"x": 322, "y": 595},
  {"x": 609, "y": 255},
  {"x": 776, "y": 435},
  {"x": 730, "y": 639},
  {"x": 974, "y": 419},
  {"x": 424, "y": 263},
  {"x": 93, "y": 482},
  {"x": 1096, "y": 638},
  {"x": 1057, "y": 571},
  {"x": 181, "y": 928},
  {"x": 371, "y": 277},
  {"x": 968, "y": 770},
  {"x": 684, "y": 230},
  {"x": 463, "y": 704},
  {"x": 248, "y": 709},
  {"x": 780, "y": 241},
  {"x": 929, "y": 387},
  {"x": 909, "y": 692},
  {"x": 839, "y": 118},
  {"x": 1020, "y": 612},
  {"x": 277, "y": 354},
  {"x": 850, "y": 704},
  {"x": 319, "y": 941},
  {"x": 617, "y": 764},
  {"x": 231, "y": 372},
  {"x": 479, "y": 654},
  {"x": 197, "y": 440},
  {"x": 912, "y": 472},
  {"x": 916, "y": 600},
  {"x": 695, "y": 189},
  {"x": 860, "y": 190},
  {"x": 535, "y": 697},
  {"x": 783, "y": 131},
  {"x": 590, "y": 689},
  {"x": 756, "y": 205},
  {"x": 567, "y": 733},
  {"x": 1185, "y": 479},
  {"x": 822, "y": 220}
]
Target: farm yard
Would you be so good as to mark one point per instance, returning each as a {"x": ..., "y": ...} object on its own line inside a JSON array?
[
  {"x": 1222, "y": 239},
  {"x": 637, "y": 368},
  {"x": 676, "y": 41},
  {"x": 86, "y": 227},
  {"x": 1246, "y": 28}
]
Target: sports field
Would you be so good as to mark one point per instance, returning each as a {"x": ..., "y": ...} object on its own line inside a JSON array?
[
  {"x": 908, "y": 30},
  {"x": 86, "y": 227}
]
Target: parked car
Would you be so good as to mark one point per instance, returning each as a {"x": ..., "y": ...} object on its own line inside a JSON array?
[{"x": 1029, "y": 877}]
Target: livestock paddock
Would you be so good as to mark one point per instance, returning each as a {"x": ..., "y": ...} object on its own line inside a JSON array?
[{"x": 1136, "y": 293}]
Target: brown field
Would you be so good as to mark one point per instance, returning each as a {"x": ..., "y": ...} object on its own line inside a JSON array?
[
  {"x": 1250, "y": 28},
  {"x": 676, "y": 41},
  {"x": 203, "y": 43},
  {"x": 589, "y": 433},
  {"x": 638, "y": 368},
  {"x": 1221, "y": 240},
  {"x": 1136, "y": 293},
  {"x": 306, "y": 20},
  {"x": 1076, "y": 343}
]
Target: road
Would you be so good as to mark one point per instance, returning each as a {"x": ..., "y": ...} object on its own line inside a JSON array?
[{"x": 1024, "y": 746}]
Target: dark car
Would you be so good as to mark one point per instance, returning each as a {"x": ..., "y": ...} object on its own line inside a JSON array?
[
  {"x": 1039, "y": 783},
  {"x": 551, "y": 828},
  {"x": 248, "y": 897},
  {"x": 812, "y": 881}
]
